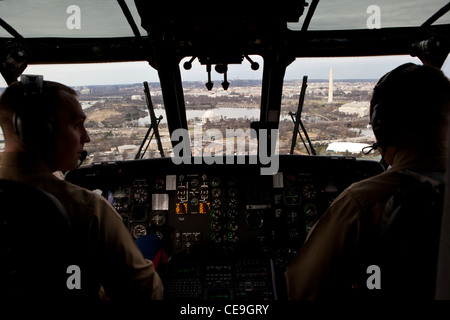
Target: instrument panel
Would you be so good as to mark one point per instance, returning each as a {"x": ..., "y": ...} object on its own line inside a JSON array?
[{"x": 228, "y": 231}]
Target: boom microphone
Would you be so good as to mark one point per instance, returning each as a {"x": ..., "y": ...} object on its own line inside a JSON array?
[{"x": 83, "y": 157}]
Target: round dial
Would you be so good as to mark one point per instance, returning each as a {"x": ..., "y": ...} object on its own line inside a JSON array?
[
  {"x": 139, "y": 230},
  {"x": 310, "y": 210},
  {"x": 215, "y": 182},
  {"x": 232, "y": 192},
  {"x": 254, "y": 219},
  {"x": 216, "y": 203},
  {"x": 290, "y": 180},
  {"x": 194, "y": 182},
  {"x": 216, "y": 238},
  {"x": 140, "y": 195},
  {"x": 309, "y": 225},
  {"x": 159, "y": 184},
  {"x": 232, "y": 226},
  {"x": 216, "y": 226},
  {"x": 158, "y": 218},
  {"x": 232, "y": 203},
  {"x": 216, "y": 214},
  {"x": 216, "y": 192},
  {"x": 194, "y": 201},
  {"x": 232, "y": 181},
  {"x": 232, "y": 213},
  {"x": 309, "y": 192},
  {"x": 233, "y": 237}
]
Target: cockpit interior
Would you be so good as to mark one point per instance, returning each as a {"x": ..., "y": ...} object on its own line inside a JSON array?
[{"x": 220, "y": 225}]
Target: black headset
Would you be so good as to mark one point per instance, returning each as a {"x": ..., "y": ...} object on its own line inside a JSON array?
[{"x": 32, "y": 121}]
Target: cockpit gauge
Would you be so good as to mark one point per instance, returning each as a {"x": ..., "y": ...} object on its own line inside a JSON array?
[
  {"x": 216, "y": 237},
  {"x": 140, "y": 195},
  {"x": 290, "y": 180},
  {"x": 232, "y": 213},
  {"x": 159, "y": 234},
  {"x": 233, "y": 237},
  {"x": 232, "y": 226},
  {"x": 232, "y": 192},
  {"x": 293, "y": 233},
  {"x": 159, "y": 184},
  {"x": 216, "y": 214},
  {"x": 310, "y": 210},
  {"x": 216, "y": 203},
  {"x": 194, "y": 201},
  {"x": 309, "y": 225},
  {"x": 292, "y": 216},
  {"x": 120, "y": 194},
  {"x": 292, "y": 196},
  {"x": 232, "y": 182},
  {"x": 194, "y": 183},
  {"x": 309, "y": 192},
  {"x": 215, "y": 182},
  {"x": 216, "y": 192},
  {"x": 232, "y": 203},
  {"x": 119, "y": 199},
  {"x": 158, "y": 218},
  {"x": 216, "y": 226},
  {"x": 139, "y": 213},
  {"x": 139, "y": 230},
  {"x": 254, "y": 219}
]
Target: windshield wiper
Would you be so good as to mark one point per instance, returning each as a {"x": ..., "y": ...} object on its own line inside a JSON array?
[
  {"x": 296, "y": 118},
  {"x": 153, "y": 125}
]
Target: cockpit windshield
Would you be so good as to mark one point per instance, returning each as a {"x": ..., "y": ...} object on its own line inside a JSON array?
[
  {"x": 350, "y": 14},
  {"x": 220, "y": 97},
  {"x": 66, "y": 18}
]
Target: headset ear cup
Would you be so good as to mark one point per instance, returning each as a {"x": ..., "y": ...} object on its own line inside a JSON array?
[
  {"x": 32, "y": 122},
  {"x": 36, "y": 130},
  {"x": 378, "y": 124},
  {"x": 18, "y": 128}
]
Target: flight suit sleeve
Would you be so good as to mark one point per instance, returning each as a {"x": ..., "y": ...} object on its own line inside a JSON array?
[
  {"x": 126, "y": 274},
  {"x": 319, "y": 270}
]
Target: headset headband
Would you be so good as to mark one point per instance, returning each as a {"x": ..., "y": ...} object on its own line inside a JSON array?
[{"x": 33, "y": 84}]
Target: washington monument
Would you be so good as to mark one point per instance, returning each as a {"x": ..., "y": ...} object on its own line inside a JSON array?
[{"x": 330, "y": 87}]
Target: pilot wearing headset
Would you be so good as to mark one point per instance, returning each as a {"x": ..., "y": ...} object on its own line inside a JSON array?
[
  {"x": 43, "y": 127},
  {"x": 409, "y": 116}
]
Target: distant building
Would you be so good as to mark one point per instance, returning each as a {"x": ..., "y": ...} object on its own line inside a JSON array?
[
  {"x": 136, "y": 97},
  {"x": 341, "y": 147},
  {"x": 361, "y": 109},
  {"x": 130, "y": 148},
  {"x": 210, "y": 116}
]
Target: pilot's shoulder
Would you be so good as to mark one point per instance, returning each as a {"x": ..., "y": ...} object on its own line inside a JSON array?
[
  {"x": 372, "y": 190},
  {"x": 79, "y": 196}
]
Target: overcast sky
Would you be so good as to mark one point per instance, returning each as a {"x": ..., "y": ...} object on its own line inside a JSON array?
[
  {"x": 104, "y": 18},
  {"x": 134, "y": 72}
]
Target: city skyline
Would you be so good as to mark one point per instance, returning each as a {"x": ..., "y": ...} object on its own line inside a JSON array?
[{"x": 133, "y": 72}]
